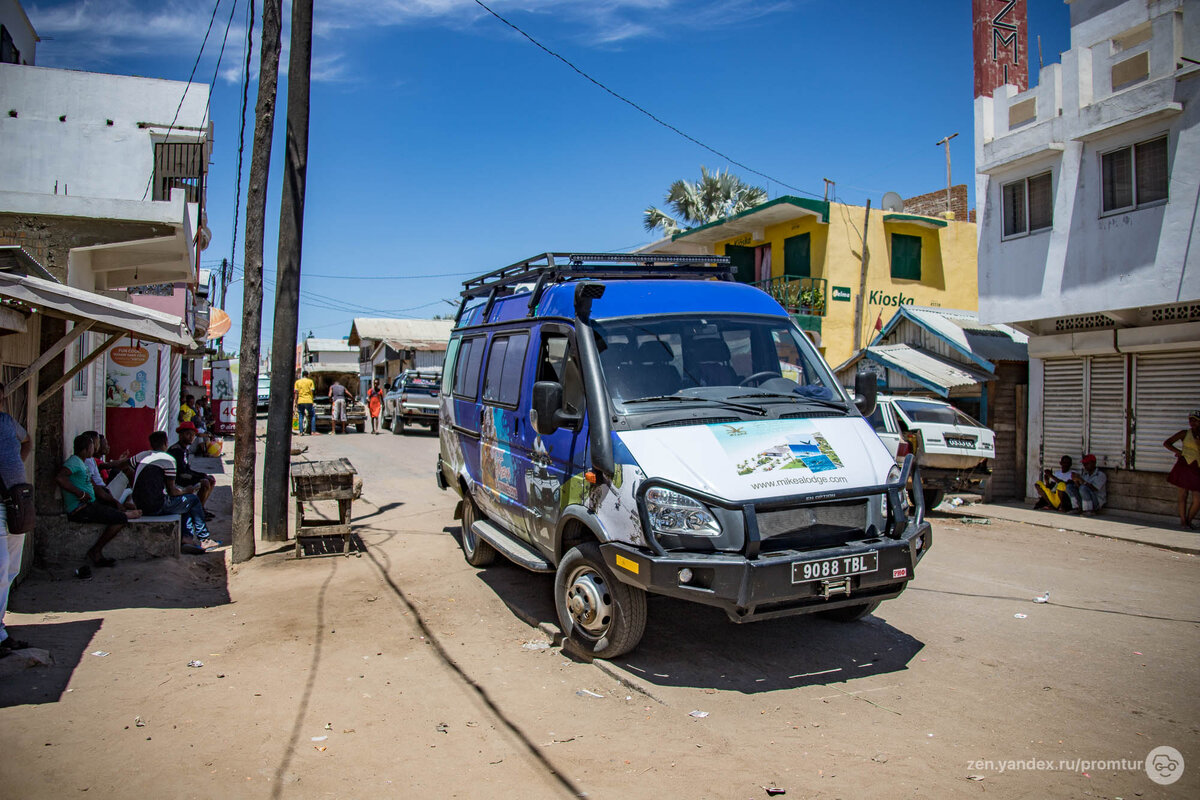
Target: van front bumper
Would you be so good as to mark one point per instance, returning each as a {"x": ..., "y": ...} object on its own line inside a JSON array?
[{"x": 763, "y": 588}]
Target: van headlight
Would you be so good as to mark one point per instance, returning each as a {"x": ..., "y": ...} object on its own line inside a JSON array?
[{"x": 672, "y": 512}]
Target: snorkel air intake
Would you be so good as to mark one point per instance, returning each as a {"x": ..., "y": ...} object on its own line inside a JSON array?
[{"x": 599, "y": 424}]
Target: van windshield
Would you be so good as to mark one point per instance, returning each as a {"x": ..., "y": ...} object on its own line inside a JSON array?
[{"x": 756, "y": 361}]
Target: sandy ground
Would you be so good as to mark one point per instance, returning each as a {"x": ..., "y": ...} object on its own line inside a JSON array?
[{"x": 405, "y": 672}]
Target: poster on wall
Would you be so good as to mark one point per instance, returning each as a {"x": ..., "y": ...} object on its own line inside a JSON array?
[{"x": 132, "y": 381}]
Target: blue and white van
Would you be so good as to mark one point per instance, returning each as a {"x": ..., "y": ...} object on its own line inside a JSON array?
[{"x": 635, "y": 425}]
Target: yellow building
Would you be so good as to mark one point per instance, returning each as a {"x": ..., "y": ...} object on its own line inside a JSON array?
[{"x": 809, "y": 255}]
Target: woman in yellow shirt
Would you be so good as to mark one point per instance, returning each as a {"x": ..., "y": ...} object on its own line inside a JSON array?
[{"x": 1185, "y": 475}]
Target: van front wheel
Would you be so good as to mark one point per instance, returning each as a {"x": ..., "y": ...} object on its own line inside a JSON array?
[{"x": 600, "y": 615}]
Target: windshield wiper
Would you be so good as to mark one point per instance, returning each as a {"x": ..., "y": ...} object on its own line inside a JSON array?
[
  {"x": 795, "y": 398},
  {"x": 676, "y": 398}
]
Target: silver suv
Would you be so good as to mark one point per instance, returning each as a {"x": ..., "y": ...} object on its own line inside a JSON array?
[{"x": 413, "y": 398}]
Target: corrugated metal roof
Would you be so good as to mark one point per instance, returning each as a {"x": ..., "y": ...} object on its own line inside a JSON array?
[
  {"x": 926, "y": 368},
  {"x": 402, "y": 333},
  {"x": 315, "y": 345},
  {"x": 965, "y": 332}
]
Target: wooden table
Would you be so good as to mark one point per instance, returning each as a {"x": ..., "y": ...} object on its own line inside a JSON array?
[{"x": 323, "y": 480}]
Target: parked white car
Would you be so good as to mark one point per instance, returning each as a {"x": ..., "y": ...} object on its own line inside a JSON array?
[{"x": 953, "y": 450}]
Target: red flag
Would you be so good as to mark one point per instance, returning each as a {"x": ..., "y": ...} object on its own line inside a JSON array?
[{"x": 879, "y": 322}]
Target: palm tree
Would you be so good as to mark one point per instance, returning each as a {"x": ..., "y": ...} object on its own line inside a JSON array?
[{"x": 715, "y": 196}]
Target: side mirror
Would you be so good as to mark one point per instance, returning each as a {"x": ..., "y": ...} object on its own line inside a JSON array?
[
  {"x": 546, "y": 414},
  {"x": 866, "y": 387}
]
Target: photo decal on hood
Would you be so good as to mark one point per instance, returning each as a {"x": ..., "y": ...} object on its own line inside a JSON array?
[{"x": 774, "y": 445}]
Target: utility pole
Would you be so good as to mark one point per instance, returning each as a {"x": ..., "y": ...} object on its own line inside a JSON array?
[
  {"x": 246, "y": 431},
  {"x": 946, "y": 141},
  {"x": 860, "y": 305},
  {"x": 828, "y": 183},
  {"x": 224, "y": 288},
  {"x": 287, "y": 281}
]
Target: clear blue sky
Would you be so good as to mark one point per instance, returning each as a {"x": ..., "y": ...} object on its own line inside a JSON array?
[{"x": 443, "y": 144}]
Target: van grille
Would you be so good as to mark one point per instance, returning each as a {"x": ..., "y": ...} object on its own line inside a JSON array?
[
  {"x": 805, "y": 527},
  {"x": 812, "y": 414}
]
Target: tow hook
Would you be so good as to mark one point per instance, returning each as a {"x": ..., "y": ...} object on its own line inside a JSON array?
[{"x": 831, "y": 588}]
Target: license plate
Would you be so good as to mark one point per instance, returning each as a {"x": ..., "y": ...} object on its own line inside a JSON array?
[
  {"x": 959, "y": 442},
  {"x": 840, "y": 567}
]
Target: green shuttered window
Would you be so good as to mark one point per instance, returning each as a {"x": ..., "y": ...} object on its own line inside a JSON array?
[
  {"x": 906, "y": 257},
  {"x": 797, "y": 256}
]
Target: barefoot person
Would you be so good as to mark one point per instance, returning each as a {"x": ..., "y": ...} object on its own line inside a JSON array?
[
  {"x": 15, "y": 446},
  {"x": 81, "y": 505},
  {"x": 1185, "y": 475}
]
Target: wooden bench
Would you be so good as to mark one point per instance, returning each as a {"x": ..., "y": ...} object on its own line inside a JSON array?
[{"x": 323, "y": 480}]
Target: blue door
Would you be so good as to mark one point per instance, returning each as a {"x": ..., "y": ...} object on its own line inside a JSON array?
[
  {"x": 464, "y": 403},
  {"x": 500, "y": 431}
]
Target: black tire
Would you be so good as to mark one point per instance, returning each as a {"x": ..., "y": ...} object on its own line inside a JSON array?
[
  {"x": 398, "y": 425},
  {"x": 849, "y": 613},
  {"x": 433, "y": 428},
  {"x": 600, "y": 615},
  {"x": 476, "y": 551},
  {"x": 933, "y": 498}
]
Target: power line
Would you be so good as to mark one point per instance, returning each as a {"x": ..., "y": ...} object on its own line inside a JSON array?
[
  {"x": 178, "y": 108},
  {"x": 237, "y": 194},
  {"x": 639, "y": 108}
]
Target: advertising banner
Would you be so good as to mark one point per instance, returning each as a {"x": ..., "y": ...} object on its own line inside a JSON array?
[{"x": 132, "y": 378}]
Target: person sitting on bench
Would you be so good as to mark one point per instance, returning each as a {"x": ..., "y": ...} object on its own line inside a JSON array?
[
  {"x": 81, "y": 505},
  {"x": 155, "y": 493}
]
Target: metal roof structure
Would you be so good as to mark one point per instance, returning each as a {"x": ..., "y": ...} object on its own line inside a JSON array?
[
  {"x": 402, "y": 334},
  {"x": 926, "y": 368},
  {"x": 315, "y": 345},
  {"x": 979, "y": 342}
]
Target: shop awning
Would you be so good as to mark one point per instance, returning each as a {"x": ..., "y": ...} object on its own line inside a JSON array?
[
  {"x": 89, "y": 312},
  {"x": 105, "y": 314}
]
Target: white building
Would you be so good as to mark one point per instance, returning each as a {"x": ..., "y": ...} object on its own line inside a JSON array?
[
  {"x": 103, "y": 183},
  {"x": 387, "y": 346},
  {"x": 1087, "y": 188}
]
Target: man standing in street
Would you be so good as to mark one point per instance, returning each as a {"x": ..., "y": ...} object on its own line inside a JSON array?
[
  {"x": 1088, "y": 489},
  {"x": 304, "y": 391},
  {"x": 339, "y": 396}
]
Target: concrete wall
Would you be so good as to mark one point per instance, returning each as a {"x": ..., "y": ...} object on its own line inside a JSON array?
[
  {"x": 933, "y": 204},
  {"x": 25, "y": 38},
  {"x": 50, "y": 239},
  {"x": 948, "y": 269},
  {"x": 88, "y": 134}
]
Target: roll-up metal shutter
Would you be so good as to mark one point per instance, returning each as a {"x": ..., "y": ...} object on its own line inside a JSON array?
[
  {"x": 1062, "y": 409},
  {"x": 429, "y": 358},
  {"x": 1105, "y": 432},
  {"x": 1166, "y": 387}
]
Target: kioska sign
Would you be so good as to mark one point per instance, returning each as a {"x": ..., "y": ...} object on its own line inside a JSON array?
[{"x": 878, "y": 298}]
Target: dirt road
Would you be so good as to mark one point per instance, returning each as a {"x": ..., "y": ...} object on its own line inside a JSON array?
[{"x": 407, "y": 673}]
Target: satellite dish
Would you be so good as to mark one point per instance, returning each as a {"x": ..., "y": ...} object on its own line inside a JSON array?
[{"x": 893, "y": 202}]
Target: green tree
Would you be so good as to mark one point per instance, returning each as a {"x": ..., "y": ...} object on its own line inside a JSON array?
[{"x": 715, "y": 196}]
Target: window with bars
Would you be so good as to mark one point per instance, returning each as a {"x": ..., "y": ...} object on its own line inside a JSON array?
[
  {"x": 179, "y": 165},
  {"x": 1134, "y": 176},
  {"x": 79, "y": 384},
  {"x": 1028, "y": 205}
]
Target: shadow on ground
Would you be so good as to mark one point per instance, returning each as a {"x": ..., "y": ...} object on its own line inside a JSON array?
[
  {"x": 687, "y": 644},
  {"x": 185, "y": 582},
  {"x": 67, "y": 642}
]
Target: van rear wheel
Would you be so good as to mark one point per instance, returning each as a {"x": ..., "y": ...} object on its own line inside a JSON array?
[
  {"x": 600, "y": 615},
  {"x": 849, "y": 613},
  {"x": 477, "y": 552}
]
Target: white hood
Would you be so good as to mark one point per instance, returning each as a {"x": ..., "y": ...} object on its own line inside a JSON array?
[{"x": 764, "y": 458}]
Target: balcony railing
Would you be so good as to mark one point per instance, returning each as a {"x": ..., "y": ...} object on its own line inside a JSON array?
[{"x": 797, "y": 295}]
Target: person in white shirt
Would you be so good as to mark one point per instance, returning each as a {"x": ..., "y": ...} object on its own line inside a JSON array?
[
  {"x": 1088, "y": 489},
  {"x": 1052, "y": 488}
]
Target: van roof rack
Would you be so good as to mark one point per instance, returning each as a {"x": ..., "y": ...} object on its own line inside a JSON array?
[{"x": 549, "y": 267}]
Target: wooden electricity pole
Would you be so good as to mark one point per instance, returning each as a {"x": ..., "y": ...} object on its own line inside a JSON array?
[
  {"x": 860, "y": 305},
  {"x": 938, "y": 143},
  {"x": 287, "y": 281},
  {"x": 245, "y": 434}
]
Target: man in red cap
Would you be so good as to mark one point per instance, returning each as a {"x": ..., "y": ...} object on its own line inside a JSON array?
[
  {"x": 184, "y": 474},
  {"x": 1088, "y": 489}
]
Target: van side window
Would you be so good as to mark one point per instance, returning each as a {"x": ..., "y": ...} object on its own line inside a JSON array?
[
  {"x": 502, "y": 383},
  {"x": 466, "y": 375},
  {"x": 448, "y": 371},
  {"x": 557, "y": 362},
  {"x": 876, "y": 420}
]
